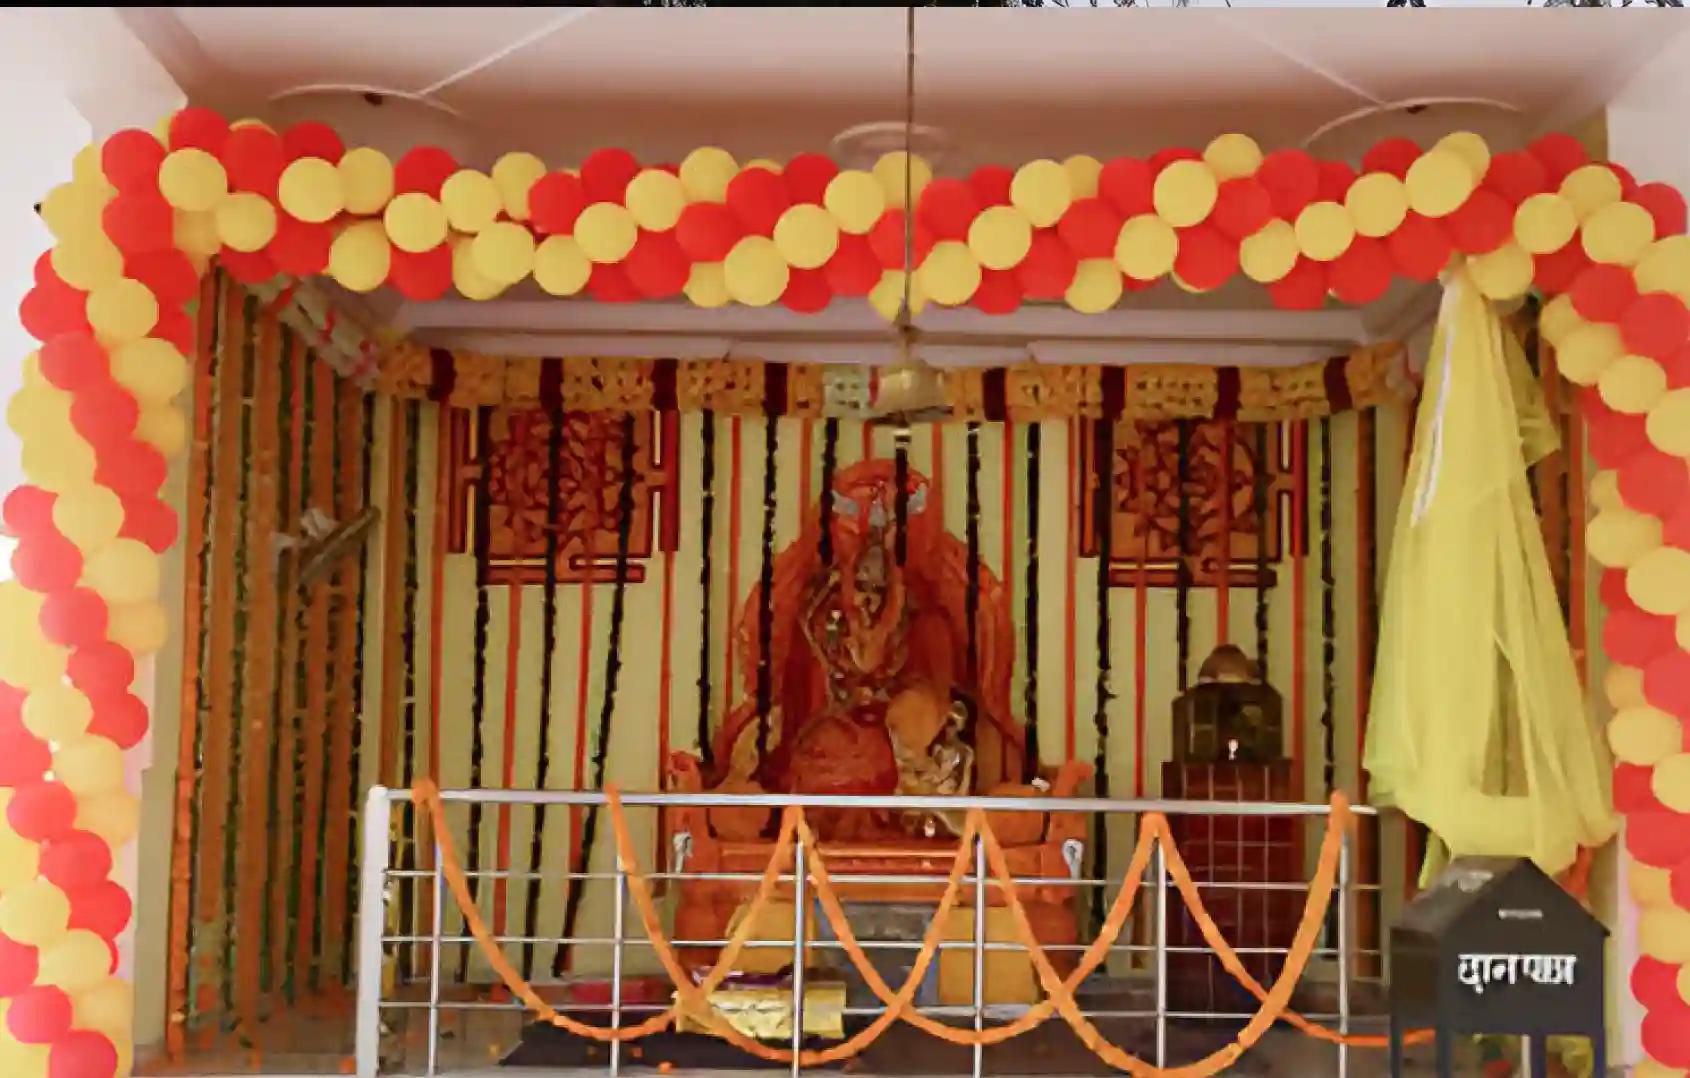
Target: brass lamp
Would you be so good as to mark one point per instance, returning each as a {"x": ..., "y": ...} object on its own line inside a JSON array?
[{"x": 909, "y": 391}]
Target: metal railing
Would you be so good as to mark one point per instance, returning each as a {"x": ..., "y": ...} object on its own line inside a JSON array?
[{"x": 379, "y": 879}]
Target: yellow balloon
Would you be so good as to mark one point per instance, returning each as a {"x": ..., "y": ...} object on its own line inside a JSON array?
[
  {"x": 20, "y": 858},
  {"x": 57, "y": 713},
  {"x": 366, "y": 180},
  {"x": 1184, "y": 193},
  {"x": 1146, "y": 247},
  {"x": 1618, "y": 537},
  {"x": 1681, "y": 631},
  {"x": 36, "y": 409},
  {"x": 1438, "y": 183},
  {"x": 1644, "y": 735},
  {"x": 1632, "y": 384},
  {"x": 1668, "y": 425},
  {"x": 707, "y": 285},
  {"x": 122, "y": 311},
  {"x": 415, "y": 222},
  {"x": 470, "y": 199},
  {"x": 191, "y": 179},
  {"x": 1545, "y": 222},
  {"x": 1663, "y": 933},
  {"x": 140, "y": 628},
  {"x": 1000, "y": 237},
  {"x": 470, "y": 282},
  {"x": 30, "y": 662},
  {"x": 122, "y": 571},
  {"x": 35, "y": 913},
  {"x": 504, "y": 252},
  {"x": 855, "y": 198},
  {"x": 1041, "y": 190},
  {"x": 196, "y": 236},
  {"x": 89, "y": 516},
  {"x": 72, "y": 210},
  {"x": 887, "y": 297},
  {"x": 1659, "y": 581},
  {"x": 1618, "y": 234},
  {"x": 1471, "y": 149},
  {"x": 707, "y": 171},
  {"x": 1671, "y": 782},
  {"x": 20, "y": 1060},
  {"x": 150, "y": 368},
  {"x": 59, "y": 463},
  {"x": 560, "y": 266},
  {"x": 106, "y": 1007},
  {"x": 1377, "y": 203},
  {"x": 311, "y": 190},
  {"x": 1605, "y": 490},
  {"x": 949, "y": 273},
  {"x": 656, "y": 199},
  {"x": 1649, "y": 1068},
  {"x": 1324, "y": 231},
  {"x": 1622, "y": 686},
  {"x": 1233, "y": 155},
  {"x": 89, "y": 766},
  {"x": 245, "y": 221},
  {"x": 1649, "y": 886},
  {"x": 114, "y": 815},
  {"x": 1587, "y": 351},
  {"x": 901, "y": 177},
  {"x": 360, "y": 257},
  {"x": 1083, "y": 171},
  {"x": 1590, "y": 187},
  {"x": 87, "y": 262},
  {"x": 806, "y": 235},
  {"x": 1665, "y": 267},
  {"x": 514, "y": 175},
  {"x": 754, "y": 271},
  {"x": 1096, "y": 286},
  {"x": 1558, "y": 319},
  {"x": 164, "y": 428},
  {"x": 1270, "y": 253},
  {"x": 1503, "y": 274},
  {"x": 606, "y": 232},
  {"x": 77, "y": 961}
]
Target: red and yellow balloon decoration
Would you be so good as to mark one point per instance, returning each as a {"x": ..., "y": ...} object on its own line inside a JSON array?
[{"x": 144, "y": 214}]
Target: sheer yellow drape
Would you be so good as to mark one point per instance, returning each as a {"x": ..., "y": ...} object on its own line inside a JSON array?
[{"x": 1478, "y": 727}]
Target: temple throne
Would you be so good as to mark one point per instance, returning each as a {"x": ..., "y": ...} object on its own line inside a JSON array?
[{"x": 871, "y": 690}]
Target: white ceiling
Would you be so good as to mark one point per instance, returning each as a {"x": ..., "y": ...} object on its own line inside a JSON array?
[{"x": 1003, "y": 85}]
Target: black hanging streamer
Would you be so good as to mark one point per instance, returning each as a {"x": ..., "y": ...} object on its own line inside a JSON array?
[
  {"x": 766, "y": 585},
  {"x": 971, "y": 591},
  {"x": 1182, "y": 564},
  {"x": 1328, "y": 610},
  {"x": 1103, "y": 506},
  {"x": 707, "y": 528},
  {"x": 830, "y": 464},
  {"x": 478, "y": 690},
  {"x": 1030, "y": 609},
  {"x": 901, "y": 495},
  {"x": 548, "y": 655},
  {"x": 1259, "y": 500},
  {"x": 612, "y": 675}
]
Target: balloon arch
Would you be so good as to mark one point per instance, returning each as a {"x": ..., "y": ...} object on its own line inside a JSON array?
[{"x": 145, "y": 215}]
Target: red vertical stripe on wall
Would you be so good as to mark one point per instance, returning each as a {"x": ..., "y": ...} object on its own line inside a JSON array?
[
  {"x": 805, "y": 434},
  {"x": 1141, "y": 621},
  {"x": 1006, "y": 520},
  {"x": 1299, "y": 580},
  {"x": 735, "y": 478},
  {"x": 1070, "y": 598}
]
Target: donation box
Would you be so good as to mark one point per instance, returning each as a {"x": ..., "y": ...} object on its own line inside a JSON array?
[{"x": 1496, "y": 946}]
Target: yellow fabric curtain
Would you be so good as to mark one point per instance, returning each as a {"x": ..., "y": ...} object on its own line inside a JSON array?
[{"x": 1478, "y": 726}]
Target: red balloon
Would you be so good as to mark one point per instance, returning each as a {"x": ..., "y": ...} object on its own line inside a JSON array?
[
  {"x": 46, "y": 562},
  {"x": 199, "y": 128},
  {"x": 657, "y": 267},
  {"x": 424, "y": 170},
  {"x": 130, "y": 159},
  {"x": 1126, "y": 183},
  {"x": 1049, "y": 267},
  {"x": 999, "y": 292},
  {"x": 27, "y": 509},
  {"x": 39, "y": 810},
  {"x": 1363, "y": 272},
  {"x": 1482, "y": 224},
  {"x": 300, "y": 248},
  {"x": 1628, "y": 182},
  {"x": 1393, "y": 155},
  {"x": 1292, "y": 179},
  {"x": 887, "y": 239},
  {"x": 17, "y": 967},
  {"x": 254, "y": 159},
  {"x": 312, "y": 139},
  {"x": 101, "y": 668},
  {"x": 605, "y": 174},
  {"x": 1090, "y": 227},
  {"x": 1555, "y": 272},
  {"x": 1666, "y": 683},
  {"x": 1654, "y": 483},
  {"x": 808, "y": 175},
  {"x": 136, "y": 468},
  {"x": 139, "y": 223},
  {"x": 176, "y": 327},
  {"x": 1516, "y": 176},
  {"x": 52, "y": 308},
  {"x": 103, "y": 413},
  {"x": 1653, "y": 981},
  {"x": 1665, "y": 205},
  {"x": 74, "y": 618},
  {"x": 83, "y": 1053},
  {"x": 1666, "y": 1033},
  {"x": 1656, "y": 324},
  {"x": 120, "y": 718},
  {"x": 947, "y": 207},
  {"x": 1661, "y": 839},
  {"x": 608, "y": 283},
  {"x": 423, "y": 275},
  {"x": 1612, "y": 436},
  {"x": 555, "y": 201},
  {"x": 853, "y": 270},
  {"x": 247, "y": 267},
  {"x": 1242, "y": 207},
  {"x": 1634, "y": 789},
  {"x": 806, "y": 291},
  {"x": 1610, "y": 586},
  {"x": 707, "y": 231},
  {"x": 1679, "y": 885},
  {"x": 39, "y": 1014},
  {"x": 1303, "y": 289},
  {"x": 167, "y": 274},
  {"x": 1602, "y": 293},
  {"x": 757, "y": 198},
  {"x": 1206, "y": 258},
  {"x": 1420, "y": 247},
  {"x": 1676, "y": 530},
  {"x": 76, "y": 859},
  {"x": 1559, "y": 154},
  {"x": 24, "y": 758},
  {"x": 991, "y": 183},
  {"x": 103, "y": 909},
  {"x": 1161, "y": 159},
  {"x": 1335, "y": 180},
  {"x": 1634, "y": 637}
]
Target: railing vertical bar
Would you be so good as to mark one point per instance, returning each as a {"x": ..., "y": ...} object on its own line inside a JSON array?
[
  {"x": 434, "y": 932},
  {"x": 1344, "y": 952},
  {"x": 1161, "y": 869},
  {"x": 799, "y": 898},
  {"x": 979, "y": 952},
  {"x": 372, "y": 917},
  {"x": 618, "y": 906}
]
